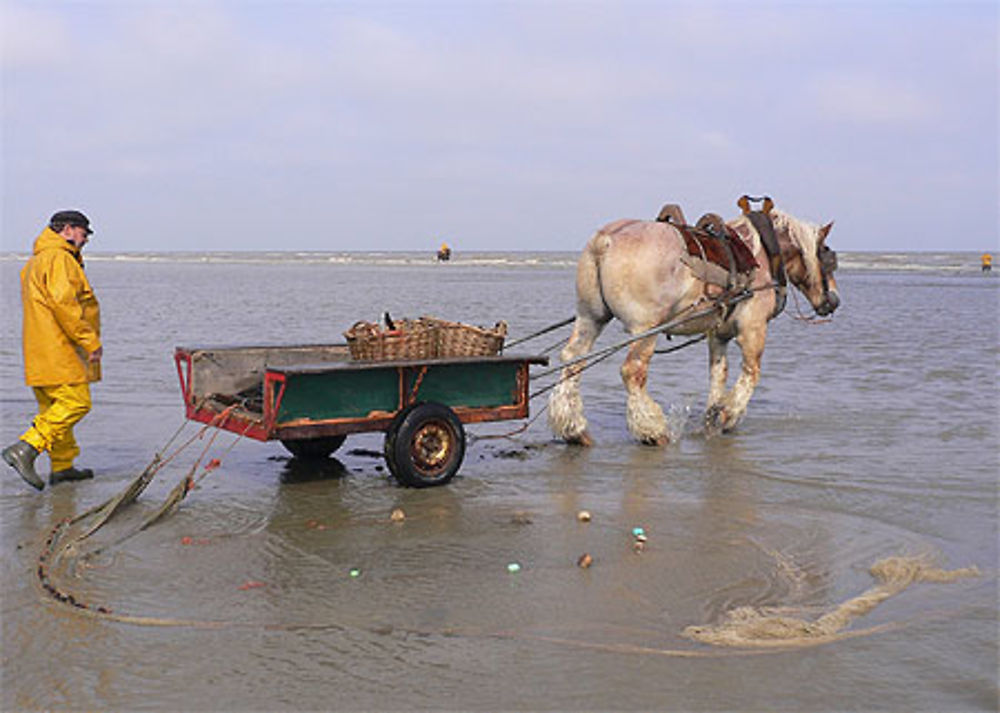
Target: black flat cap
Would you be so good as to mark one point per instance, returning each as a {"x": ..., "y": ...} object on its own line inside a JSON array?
[{"x": 71, "y": 217}]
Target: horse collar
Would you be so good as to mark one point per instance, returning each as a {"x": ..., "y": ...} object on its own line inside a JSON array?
[{"x": 761, "y": 222}]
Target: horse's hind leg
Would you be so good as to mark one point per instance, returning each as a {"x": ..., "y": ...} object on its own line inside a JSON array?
[
  {"x": 566, "y": 417},
  {"x": 644, "y": 416}
]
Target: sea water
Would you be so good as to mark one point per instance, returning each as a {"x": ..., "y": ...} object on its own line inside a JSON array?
[{"x": 283, "y": 585}]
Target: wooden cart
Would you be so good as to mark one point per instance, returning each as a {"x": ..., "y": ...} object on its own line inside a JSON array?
[{"x": 312, "y": 397}]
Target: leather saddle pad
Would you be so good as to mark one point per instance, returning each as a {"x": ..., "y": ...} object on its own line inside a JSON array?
[{"x": 717, "y": 250}]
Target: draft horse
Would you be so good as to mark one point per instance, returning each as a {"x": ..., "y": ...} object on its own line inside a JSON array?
[{"x": 641, "y": 272}]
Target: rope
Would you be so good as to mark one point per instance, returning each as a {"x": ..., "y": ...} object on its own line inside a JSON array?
[
  {"x": 539, "y": 392},
  {"x": 545, "y": 330},
  {"x": 554, "y": 346},
  {"x": 598, "y": 357},
  {"x": 677, "y": 348},
  {"x": 664, "y": 327},
  {"x": 520, "y": 429},
  {"x": 595, "y": 358}
]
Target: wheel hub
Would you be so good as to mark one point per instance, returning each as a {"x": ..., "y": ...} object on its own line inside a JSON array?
[{"x": 431, "y": 446}]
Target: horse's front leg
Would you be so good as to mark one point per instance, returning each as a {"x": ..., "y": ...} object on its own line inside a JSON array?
[
  {"x": 752, "y": 347},
  {"x": 733, "y": 406},
  {"x": 718, "y": 373},
  {"x": 644, "y": 416},
  {"x": 566, "y": 419}
]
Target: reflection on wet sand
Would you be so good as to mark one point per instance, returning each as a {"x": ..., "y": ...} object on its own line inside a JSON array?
[{"x": 297, "y": 470}]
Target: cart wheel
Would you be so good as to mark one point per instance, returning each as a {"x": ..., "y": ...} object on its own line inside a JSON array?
[
  {"x": 390, "y": 439},
  {"x": 426, "y": 446},
  {"x": 313, "y": 448}
]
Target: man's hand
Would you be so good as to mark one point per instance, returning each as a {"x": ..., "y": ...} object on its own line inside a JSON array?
[{"x": 95, "y": 356}]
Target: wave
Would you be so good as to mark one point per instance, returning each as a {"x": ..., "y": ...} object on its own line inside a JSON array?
[
  {"x": 946, "y": 262},
  {"x": 918, "y": 262},
  {"x": 406, "y": 259}
]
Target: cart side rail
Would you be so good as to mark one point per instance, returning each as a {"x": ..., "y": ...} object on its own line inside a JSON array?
[{"x": 208, "y": 410}]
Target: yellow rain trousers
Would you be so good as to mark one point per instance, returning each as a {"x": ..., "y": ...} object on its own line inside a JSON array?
[
  {"x": 59, "y": 409},
  {"x": 62, "y": 326}
]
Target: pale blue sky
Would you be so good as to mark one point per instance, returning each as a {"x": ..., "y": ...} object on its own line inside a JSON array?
[{"x": 321, "y": 125}]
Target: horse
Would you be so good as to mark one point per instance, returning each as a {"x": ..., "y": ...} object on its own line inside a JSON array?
[{"x": 640, "y": 272}]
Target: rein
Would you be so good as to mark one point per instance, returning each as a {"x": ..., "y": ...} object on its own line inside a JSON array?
[{"x": 813, "y": 319}]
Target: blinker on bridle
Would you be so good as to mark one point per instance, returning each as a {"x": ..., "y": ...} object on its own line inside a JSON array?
[{"x": 827, "y": 259}]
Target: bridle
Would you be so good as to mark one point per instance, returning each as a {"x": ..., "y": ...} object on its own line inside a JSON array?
[
  {"x": 761, "y": 220},
  {"x": 827, "y": 259}
]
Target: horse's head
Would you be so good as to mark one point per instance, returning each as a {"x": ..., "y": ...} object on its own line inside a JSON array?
[{"x": 809, "y": 262}]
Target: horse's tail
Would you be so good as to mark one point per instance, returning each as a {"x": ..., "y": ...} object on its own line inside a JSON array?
[
  {"x": 566, "y": 417},
  {"x": 589, "y": 288},
  {"x": 599, "y": 244}
]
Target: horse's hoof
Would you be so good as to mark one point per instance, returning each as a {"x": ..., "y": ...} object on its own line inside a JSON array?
[
  {"x": 715, "y": 420},
  {"x": 582, "y": 439},
  {"x": 731, "y": 425},
  {"x": 658, "y": 441}
]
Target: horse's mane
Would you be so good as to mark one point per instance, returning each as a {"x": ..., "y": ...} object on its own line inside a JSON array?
[
  {"x": 801, "y": 231},
  {"x": 803, "y": 234}
]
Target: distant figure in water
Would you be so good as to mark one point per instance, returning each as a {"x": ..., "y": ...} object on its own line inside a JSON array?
[
  {"x": 444, "y": 253},
  {"x": 987, "y": 262}
]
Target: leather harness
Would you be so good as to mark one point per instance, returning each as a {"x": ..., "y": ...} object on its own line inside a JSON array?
[
  {"x": 761, "y": 221},
  {"x": 714, "y": 242}
]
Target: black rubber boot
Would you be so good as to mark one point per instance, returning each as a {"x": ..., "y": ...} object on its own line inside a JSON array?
[
  {"x": 21, "y": 457},
  {"x": 71, "y": 473}
]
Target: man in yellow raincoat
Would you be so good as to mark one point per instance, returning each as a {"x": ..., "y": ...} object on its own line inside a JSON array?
[{"x": 62, "y": 348}]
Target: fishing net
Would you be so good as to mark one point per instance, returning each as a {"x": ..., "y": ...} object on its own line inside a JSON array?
[
  {"x": 63, "y": 551},
  {"x": 749, "y": 626}
]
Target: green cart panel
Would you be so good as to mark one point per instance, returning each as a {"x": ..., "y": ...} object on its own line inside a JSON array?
[
  {"x": 354, "y": 393},
  {"x": 481, "y": 385},
  {"x": 335, "y": 394}
]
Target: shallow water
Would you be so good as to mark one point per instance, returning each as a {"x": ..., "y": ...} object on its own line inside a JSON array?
[{"x": 873, "y": 436}]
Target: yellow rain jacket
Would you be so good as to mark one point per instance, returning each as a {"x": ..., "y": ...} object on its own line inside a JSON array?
[{"x": 62, "y": 320}]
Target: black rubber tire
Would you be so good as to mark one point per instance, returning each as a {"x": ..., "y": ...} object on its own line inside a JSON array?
[
  {"x": 426, "y": 446},
  {"x": 390, "y": 462},
  {"x": 390, "y": 438},
  {"x": 313, "y": 448}
]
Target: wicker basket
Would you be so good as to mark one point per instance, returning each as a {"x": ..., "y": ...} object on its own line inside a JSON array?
[
  {"x": 424, "y": 338},
  {"x": 409, "y": 340},
  {"x": 455, "y": 339}
]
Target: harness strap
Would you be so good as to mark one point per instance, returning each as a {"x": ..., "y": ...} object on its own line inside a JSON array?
[
  {"x": 761, "y": 222},
  {"x": 731, "y": 258},
  {"x": 715, "y": 226}
]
